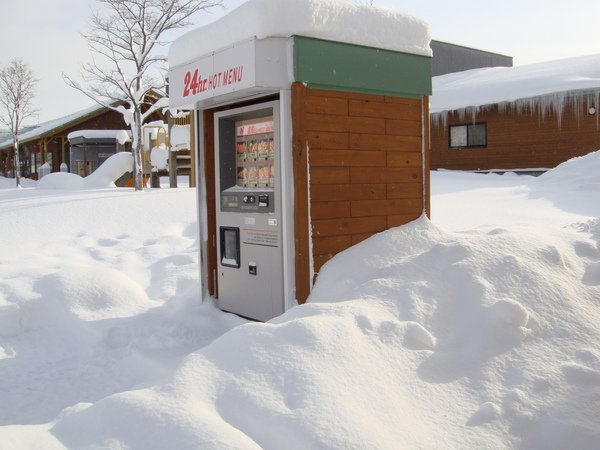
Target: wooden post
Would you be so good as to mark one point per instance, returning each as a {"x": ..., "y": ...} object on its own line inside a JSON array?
[
  {"x": 211, "y": 214},
  {"x": 192, "y": 118},
  {"x": 301, "y": 207},
  {"x": 172, "y": 169},
  {"x": 63, "y": 144}
]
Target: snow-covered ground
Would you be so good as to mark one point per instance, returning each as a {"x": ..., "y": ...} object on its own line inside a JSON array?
[{"x": 478, "y": 329}]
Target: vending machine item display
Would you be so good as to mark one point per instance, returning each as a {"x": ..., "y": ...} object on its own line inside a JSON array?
[{"x": 255, "y": 152}]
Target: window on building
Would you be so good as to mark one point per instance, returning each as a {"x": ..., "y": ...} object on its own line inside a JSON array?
[{"x": 472, "y": 135}]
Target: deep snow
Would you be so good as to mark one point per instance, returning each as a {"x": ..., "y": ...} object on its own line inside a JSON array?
[{"x": 478, "y": 329}]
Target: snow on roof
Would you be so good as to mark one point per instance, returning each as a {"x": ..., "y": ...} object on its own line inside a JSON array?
[
  {"x": 43, "y": 128},
  {"x": 479, "y": 87},
  {"x": 4, "y": 134},
  {"x": 121, "y": 136},
  {"x": 335, "y": 20}
]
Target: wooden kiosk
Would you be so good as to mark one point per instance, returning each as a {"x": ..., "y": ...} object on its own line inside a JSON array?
[{"x": 351, "y": 138}]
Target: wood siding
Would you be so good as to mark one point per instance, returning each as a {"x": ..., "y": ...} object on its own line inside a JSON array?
[
  {"x": 518, "y": 141},
  {"x": 363, "y": 155},
  {"x": 211, "y": 199}
]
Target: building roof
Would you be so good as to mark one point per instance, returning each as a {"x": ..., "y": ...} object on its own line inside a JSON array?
[
  {"x": 80, "y": 136},
  {"x": 449, "y": 58},
  {"x": 547, "y": 83},
  {"x": 53, "y": 126}
]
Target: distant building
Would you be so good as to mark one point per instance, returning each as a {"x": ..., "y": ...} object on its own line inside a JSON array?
[
  {"x": 90, "y": 148},
  {"x": 527, "y": 117},
  {"x": 49, "y": 143},
  {"x": 449, "y": 58}
]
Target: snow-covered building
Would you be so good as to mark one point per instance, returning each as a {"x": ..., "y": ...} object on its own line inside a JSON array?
[
  {"x": 527, "y": 117},
  {"x": 90, "y": 148},
  {"x": 49, "y": 142}
]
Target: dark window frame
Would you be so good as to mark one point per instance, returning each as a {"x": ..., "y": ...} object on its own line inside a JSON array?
[{"x": 467, "y": 125}]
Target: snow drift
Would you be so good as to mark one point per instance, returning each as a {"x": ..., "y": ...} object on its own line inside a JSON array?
[
  {"x": 103, "y": 177},
  {"x": 419, "y": 337},
  {"x": 416, "y": 337}
]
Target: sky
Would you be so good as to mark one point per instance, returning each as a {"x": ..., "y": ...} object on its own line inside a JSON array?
[{"x": 529, "y": 31}]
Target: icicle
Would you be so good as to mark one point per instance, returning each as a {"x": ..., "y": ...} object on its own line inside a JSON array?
[{"x": 542, "y": 105}]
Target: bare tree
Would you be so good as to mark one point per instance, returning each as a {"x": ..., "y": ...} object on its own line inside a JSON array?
[
  {"x": 16, "y": 95},
  {"x": 125, "y": 62}
]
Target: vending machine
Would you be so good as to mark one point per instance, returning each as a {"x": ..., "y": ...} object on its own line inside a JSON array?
[{"x": 248, "y": 213}]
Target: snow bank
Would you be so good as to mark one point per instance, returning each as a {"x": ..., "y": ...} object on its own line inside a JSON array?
[
  {"x": 61, "y": 180},
  {"x": 336, "y": 20},
  {"x": 110, "y": 170},
  {"x": 417, "y": 337},
  {"x": 103, "y": 177},
  {"x": 7, "y": 183},
  {"x": 103, "y": 300},
  {"x": 581, "y": 172}
]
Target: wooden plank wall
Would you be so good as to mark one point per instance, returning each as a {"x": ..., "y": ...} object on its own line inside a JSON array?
[
  {"x": 363, "y": 155},
  {"x": 519, "y": 141},
  {"x": 209, "y": 180}
]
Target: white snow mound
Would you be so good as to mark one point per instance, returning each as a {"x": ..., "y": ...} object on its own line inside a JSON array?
[
  {"x": 61, "y": 180},
  {"x": 400, "y": 346},
  {"x": 103, "y": 177},
  {"x": 95, "y": 292},
  {"x": 581, "y": 171},
  {"x": 110, "y": 170}
]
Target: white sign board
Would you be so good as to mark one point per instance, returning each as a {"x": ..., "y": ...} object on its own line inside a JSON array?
[{"x": 223, "y": 72}]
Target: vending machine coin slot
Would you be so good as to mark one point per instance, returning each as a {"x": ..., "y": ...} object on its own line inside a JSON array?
[{"x": 252, "y": 269}]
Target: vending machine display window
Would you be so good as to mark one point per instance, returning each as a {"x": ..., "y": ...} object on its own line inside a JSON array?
[{"x": 255, "y": 153}]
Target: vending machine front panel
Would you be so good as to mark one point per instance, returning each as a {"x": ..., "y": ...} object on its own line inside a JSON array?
[{"x": 250, "y": 270}]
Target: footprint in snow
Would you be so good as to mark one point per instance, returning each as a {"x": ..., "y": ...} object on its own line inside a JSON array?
[
  {"x": 552, "y": 256},
  {"x": 487, "y": 412},
  {"x": 411, "y": 335},
  {"x": 592, "y": 274},
  {"x": 107, "y": 242},
  {"x": 416, "y": 337},
  {"x": 585, "y": 249},
  {"x": 580, "y": 375},
  {"x": 510, "y": 312}
]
